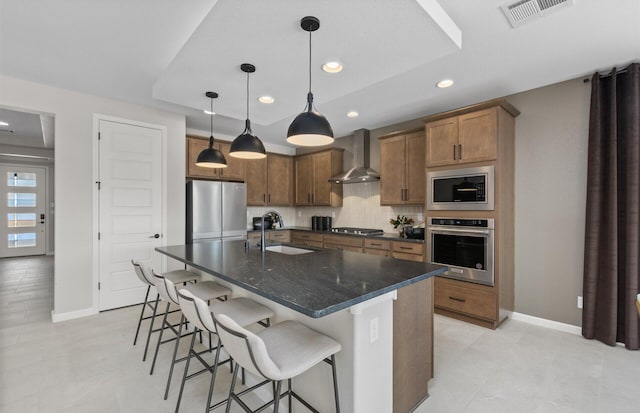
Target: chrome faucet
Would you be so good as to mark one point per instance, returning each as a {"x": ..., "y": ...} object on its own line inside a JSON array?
[{"x": 263, "y": 244}]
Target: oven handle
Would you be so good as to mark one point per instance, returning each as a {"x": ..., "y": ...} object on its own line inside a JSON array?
[{"x": 459, "y": 231}]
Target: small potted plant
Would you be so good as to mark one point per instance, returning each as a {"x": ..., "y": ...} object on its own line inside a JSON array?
[{"x": 400, "y": 222}]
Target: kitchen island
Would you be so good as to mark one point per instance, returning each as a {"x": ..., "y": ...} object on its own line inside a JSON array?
[{"x": 348, "y": 296}]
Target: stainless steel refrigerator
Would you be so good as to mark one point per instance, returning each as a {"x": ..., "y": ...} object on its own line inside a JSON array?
[{"x": 216, "y": 210}]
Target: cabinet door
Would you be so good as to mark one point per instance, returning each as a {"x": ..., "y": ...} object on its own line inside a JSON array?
[
  {"x": 235, "y": 166},
  {"x": 321, "y": 175},
  {"x": 280, "y": 180},
  {"x": 415, "y": 178},
  {"x": 392, "y": 170},
  {"x": 256, "y": 178},
  {"x": 442, "y": 142},
  {"x": 477, "y": 136},
  {"x": 194, "y": 147},
  {"x": 304, "y": 180}
]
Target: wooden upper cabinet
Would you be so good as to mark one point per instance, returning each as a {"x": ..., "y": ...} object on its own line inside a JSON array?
[
  {"x": 233, "y": 172},
  {"x": 269, "y": 180},
  {"x": 402, "y": 173},
  {"x": 255, "y": 171},
  {"x": 304, "y": 180},
  {"x": 312, "y": 173},
  {"x": 392, "y": 170},
  {"x": 477, "y": 133},
  {"x": 470, "y": 137},
  {"x": 279, "y": 180},
  {"x": 235, "y": 166},
  {"x": 441, "y": 142},
  {"x": 194, "y": 147},
  {"x": 415, "y": 172}
]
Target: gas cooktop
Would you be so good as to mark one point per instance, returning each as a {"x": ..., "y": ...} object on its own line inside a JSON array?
[{"x": 357, "y": 231}]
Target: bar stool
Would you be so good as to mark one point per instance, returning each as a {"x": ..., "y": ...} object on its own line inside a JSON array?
[
  {"x": 145, "y": 274},
  {"x": 207, "y": 290},
  {"x": 277, "y": 353},
  {"x": 244, "y": 310}
]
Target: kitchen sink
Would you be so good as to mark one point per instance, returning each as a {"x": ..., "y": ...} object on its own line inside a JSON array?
[{"x": 283, "y": 249}]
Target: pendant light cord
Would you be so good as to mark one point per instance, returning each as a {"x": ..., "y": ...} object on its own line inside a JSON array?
[
  {"x": 211, "y": 125},
  {"x": 309, "y": 61},
  {"x": 247, "y": 95}
]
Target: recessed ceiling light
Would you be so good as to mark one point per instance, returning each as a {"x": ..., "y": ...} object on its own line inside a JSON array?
[
  {"x": 332, "y": 67},
  {"x": 208, "y": 112},
  {"x": 266, "y": 99},
  {"x": 352, "y": 114},
  {"x": 3, "y": 123},
  {"x": 444, "y": 83}
]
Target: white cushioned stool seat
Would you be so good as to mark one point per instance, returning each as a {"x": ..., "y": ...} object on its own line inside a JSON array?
[
  {"x": 244, "y": 310},
  {"x": 207, "y": 290},
  {"x": 181, "y": 276}
]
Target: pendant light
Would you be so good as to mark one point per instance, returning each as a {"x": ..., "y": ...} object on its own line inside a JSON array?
[
  {"x": 247, "y": 145},
  {"x": 310, "y": 128},
  {"x": 211, "y": 157}
]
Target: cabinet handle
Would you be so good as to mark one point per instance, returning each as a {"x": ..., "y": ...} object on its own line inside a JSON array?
[
  {"x": 406, "y": 248},
  {"x": 264, "y": 198},
  {"x": 461, "y": 300},
  {"x": 402, "y": 194},
  {"x": 406, "y": 194},
  {"x": 460, "y": 151},
  {"x": 377, "y": 245},
  {"x": 454, "y": 152},
  {"x": 269, "y": 198},
  {"x": 313, "y": 198}
]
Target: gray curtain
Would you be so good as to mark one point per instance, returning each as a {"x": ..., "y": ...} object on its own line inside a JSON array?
[{"x": 612, "y": 246}]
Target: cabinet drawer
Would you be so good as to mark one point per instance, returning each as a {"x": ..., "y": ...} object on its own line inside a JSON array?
[
  {"x": 373, "y": 251},
  {"x": 342, "y": 240},
  {"x": 454, "y": 296},
  {"x": 409, "y": 257},
  {"x": 342, "y": 248},
  {"x": 282, "y": 236},
  {"x": 312, "y": 244},
  {"x": 306, "y": 236},
  {"x": 408, "y": 247},
  {"x": 377, "y": 244}
]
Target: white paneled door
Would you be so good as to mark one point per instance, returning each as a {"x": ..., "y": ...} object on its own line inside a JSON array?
[
  {"x": 22, "y": 211},
  {"x": 130, "y": 209}
]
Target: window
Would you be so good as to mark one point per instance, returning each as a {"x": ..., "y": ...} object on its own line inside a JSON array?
[
  {"x": 27, "y": 239},
  {"x": 21, "y": 220},
  {"x": 21, "y": 179},
  {"x": 17, "y": 199}
]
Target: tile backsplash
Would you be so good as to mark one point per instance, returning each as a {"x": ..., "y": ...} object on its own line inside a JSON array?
[{"x": 360, "y": 208}]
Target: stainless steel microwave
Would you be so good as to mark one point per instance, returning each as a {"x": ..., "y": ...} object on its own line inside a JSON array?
[{"x": 470, "y": 189}]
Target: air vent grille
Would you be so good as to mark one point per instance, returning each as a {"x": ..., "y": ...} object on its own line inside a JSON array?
[{"x": 525, "y": 11}]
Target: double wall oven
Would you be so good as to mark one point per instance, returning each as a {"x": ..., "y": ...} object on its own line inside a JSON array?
[{"x": 465, "y": 245}]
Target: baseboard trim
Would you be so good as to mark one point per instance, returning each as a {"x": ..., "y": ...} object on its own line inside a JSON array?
[
  {"x": 543, "y": 322},
  {"x": 70, "y": 315}
]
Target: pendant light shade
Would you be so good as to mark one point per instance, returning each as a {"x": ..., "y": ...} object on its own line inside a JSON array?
[
  {"x": 247, "y": 145},
  {"x": 211, "y": 157},
  {"x": 310, "y": 128}
]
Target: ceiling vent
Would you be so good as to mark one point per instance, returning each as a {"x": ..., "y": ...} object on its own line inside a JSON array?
[{"x": 524, "y": 11}]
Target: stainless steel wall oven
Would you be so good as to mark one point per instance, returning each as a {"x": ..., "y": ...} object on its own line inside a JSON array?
[{"x": 465, "y": 245}]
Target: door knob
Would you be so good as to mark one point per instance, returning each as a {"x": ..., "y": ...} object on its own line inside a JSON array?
[{"x": 154, "y": 236}]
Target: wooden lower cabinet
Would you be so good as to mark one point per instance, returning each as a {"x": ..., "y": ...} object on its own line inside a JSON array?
[
  {"x": 281, "y": 236},
  {"x": 306, "y": 239},
  {"x": 412, "y": 345},
  {"x": 373, "y": 251},
  {"x": 412, "y": 251},
  {"x": 467, "y": 301}
]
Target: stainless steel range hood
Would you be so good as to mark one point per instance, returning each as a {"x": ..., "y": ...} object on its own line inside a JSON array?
[{"x": 361, "y": 172}]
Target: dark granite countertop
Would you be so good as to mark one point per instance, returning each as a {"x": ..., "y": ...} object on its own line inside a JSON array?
[
  {"x": 387, "y": 235},
  {"x": 315, "y": 284}
]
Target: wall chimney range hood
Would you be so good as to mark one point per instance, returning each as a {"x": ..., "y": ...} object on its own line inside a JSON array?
[{"x": 361, "y": 172}]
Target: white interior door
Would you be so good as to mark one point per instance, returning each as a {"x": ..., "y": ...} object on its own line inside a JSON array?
[
  {"x": 130, "y": 209},
  {"x": 22, "y": 211}
]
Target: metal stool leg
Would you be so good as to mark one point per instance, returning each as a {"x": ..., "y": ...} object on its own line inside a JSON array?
[
  {"x": 290, "y": 398},
  {"x": 144, "y": 305},
  {"x": 164, "y": 322},
  {"x": 173, "y": 359},
  {"x": 213, "y": 376},
  {"x": 153, "y": 319},
  {"x": 335, "y": 382},
  {"x": 233, "y": 386},
  {"x": 276, "y": 399},
  {"x": 186, "y": 372}
]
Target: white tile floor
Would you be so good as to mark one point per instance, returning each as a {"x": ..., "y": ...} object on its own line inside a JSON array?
[{"x": 90, "y": 365}]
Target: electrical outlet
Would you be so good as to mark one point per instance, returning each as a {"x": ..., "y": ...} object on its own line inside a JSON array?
[
  {"x": 579, "y": 301},
  {"x": 374, "y": 332},
  {"x": 299, "y": 213},
  {"x": 333, "y": 214}
]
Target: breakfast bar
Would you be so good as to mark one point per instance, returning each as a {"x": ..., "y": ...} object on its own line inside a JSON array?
[{"x": 348, "y": 296}]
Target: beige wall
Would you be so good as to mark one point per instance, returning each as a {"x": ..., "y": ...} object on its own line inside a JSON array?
[
  {"x": 74, "y": 237},
  {"x": 550, "y": 197}
]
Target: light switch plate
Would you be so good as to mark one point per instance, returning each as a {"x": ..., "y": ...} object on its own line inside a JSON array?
[{"x": 374, "y": 332}]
